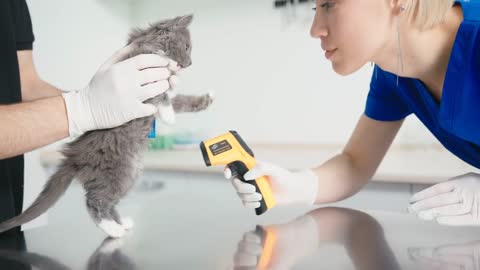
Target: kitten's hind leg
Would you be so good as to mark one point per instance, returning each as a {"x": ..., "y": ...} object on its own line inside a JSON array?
[
  {"x": 126, "y": 222},
  {"x": 110, "y": 245},
  {"x": 112, "y": 228},
  {"x": 184, "y": 103},
  {"x": 100, "y": 213}
]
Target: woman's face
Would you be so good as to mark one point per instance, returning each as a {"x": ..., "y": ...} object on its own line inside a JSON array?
[{"x": 352, "y": 32}]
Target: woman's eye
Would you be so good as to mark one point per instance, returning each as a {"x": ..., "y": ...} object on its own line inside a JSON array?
[{"x": 327, "y": 5}]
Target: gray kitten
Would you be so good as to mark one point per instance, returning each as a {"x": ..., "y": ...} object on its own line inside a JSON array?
[{"x": 107, "y": 162}]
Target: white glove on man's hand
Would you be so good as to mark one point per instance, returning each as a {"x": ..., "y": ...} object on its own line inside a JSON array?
[
  {"x": 455, "y": 202},
  {"x": 115, "y": 94},
  {"x": 287, "y": 187}
]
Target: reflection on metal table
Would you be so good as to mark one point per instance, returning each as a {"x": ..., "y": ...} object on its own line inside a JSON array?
[{"x": 195, "y": 221}]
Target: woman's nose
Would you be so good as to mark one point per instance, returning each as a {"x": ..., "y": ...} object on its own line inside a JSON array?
[{"x": 318, "y": 29}]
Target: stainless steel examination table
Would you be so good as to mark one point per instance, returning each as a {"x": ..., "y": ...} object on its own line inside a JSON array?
[{"x": 196, "y": 221}]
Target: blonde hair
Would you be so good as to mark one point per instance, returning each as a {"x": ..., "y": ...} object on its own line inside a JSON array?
[{"x": 428, "y": 13}]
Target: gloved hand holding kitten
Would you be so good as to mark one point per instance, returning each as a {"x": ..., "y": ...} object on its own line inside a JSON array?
[{"x": 115, "y": 94}]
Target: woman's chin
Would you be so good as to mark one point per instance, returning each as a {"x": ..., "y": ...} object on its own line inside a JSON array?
[{"x": 344, "y": 69}]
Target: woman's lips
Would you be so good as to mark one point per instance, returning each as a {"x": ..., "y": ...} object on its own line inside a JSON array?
[{"x": 329, "y": 53}]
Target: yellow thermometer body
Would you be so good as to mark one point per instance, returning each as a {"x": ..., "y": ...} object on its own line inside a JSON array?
[{"x": 230, "y": 149}]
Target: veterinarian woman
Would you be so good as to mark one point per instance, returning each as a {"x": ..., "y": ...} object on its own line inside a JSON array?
[
  {"x": 427, "y": 63},
  {"x": 33, "y": 113}
]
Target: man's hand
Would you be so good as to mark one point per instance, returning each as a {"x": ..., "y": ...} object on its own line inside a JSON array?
[{"x": 115, "y": 94}]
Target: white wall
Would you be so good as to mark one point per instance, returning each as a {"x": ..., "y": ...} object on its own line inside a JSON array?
[
  {"x": 72, "y": 38},
  {"x": 272, "y": 82}
]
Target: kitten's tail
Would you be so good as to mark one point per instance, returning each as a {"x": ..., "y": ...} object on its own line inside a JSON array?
[{"x": 52, "y": 191}]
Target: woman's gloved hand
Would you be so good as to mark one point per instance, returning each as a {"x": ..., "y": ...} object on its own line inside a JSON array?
[
  {"x": 115, "y": 94},
  {"x": 288, "y": 187},
  {"x": 455, "y": 202}
]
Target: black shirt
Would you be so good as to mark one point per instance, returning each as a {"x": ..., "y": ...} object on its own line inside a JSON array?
[{"x": 16, "y": 34}]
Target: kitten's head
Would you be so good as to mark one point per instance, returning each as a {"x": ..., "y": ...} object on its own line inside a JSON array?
[{"x": 170, "y": 36}]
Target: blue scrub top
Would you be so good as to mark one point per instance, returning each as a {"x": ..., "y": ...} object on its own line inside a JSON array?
[{"x": 455, "y": 122}]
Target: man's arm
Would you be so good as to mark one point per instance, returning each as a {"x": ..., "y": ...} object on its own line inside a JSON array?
[
  {"x": 30, "y": 125},
  {"x": 33, "y": 87}
]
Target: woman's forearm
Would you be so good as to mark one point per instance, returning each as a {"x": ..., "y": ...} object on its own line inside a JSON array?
[{"x": 339, "y": 179}]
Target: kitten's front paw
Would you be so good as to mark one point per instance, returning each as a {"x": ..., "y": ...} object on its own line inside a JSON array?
[
  {"x": 112, "y": 228},
  {"x": 211, "y": 95},
  {"x": 206, "y": 100},
  {"x": 127, "y": 223}
]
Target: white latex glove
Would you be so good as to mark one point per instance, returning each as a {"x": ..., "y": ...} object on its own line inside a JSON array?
[
  {"x": 292, "y": 242},
  {"x": 115, "y": 94},
  {"x": 457, "y": 256},
  {"x": 455, "y": 202},
  {"x": 287, "y": 187}
]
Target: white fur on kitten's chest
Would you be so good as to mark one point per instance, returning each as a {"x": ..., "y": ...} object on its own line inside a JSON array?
[{"x": 166, "y": 112}]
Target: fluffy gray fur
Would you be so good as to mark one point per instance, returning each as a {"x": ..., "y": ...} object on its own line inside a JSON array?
[{"x": 107, "y": 162}]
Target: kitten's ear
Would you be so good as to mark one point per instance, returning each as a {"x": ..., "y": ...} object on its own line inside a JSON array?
[
  {"x": 134, "y": 34},
  {"x": 184, "y": 21}
]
